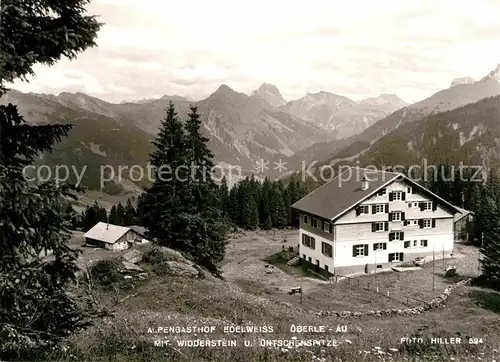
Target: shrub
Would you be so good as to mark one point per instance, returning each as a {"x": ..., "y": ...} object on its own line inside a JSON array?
[{"x": 106, "y": 272}]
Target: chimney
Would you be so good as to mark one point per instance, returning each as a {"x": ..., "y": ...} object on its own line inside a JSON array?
[{"x": 365, "y": 183}]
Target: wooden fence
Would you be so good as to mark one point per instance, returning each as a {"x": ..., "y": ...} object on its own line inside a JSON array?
[{"x": 377, "y": 289}]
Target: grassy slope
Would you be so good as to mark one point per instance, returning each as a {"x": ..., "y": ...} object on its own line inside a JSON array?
[{"x": 166, "y": 300}]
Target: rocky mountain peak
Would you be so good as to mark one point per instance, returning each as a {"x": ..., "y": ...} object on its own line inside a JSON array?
[
  {"x": 385, "y": 99},
  {"x": 494, "y": 74},
  {"x": 271, "y": 94},
  {"x": 463, "y": 80}
]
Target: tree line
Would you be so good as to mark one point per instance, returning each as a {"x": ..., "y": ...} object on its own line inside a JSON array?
[
  {"x": 253, "y": 204},
  {"x": 249, "y": 204},
  {"x": 118, "y": 215}
]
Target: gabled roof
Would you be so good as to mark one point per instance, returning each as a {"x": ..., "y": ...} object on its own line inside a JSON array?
[
  {"x": 107, "y": 233},
  {"x": 462, "y": 214},
  {"x": 344, "y": 192}
]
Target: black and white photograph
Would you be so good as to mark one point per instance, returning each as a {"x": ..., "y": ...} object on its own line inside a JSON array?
[{"x": 250, "y": 181}]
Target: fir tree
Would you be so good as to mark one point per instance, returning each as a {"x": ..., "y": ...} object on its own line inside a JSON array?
[
  {"x": 490, "y": 262},
  {"x": 264, "y": 207},
  {"x": 224, "y": 197},
  {"x": 277, "y": 207},
  {"x": 162, "y": 203},
  {"x": 113, "y": 216},
  {"x": 130, "y": 214},
  {"x": 233, "y": 209},
  {"x": 120, "y": 214},
  {"x": 182, "y": 212}
]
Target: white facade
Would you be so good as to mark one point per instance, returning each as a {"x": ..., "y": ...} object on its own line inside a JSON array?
[{"x": 354, "y": 233}]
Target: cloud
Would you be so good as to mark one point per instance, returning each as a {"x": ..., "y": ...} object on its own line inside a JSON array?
[{"x": 357, "y": 49}]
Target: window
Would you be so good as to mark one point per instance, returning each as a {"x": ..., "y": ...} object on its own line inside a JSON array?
[
  {"x": 360, "y": 250},
  {"x": 308, "y": 241},
  {"x": 306, "y": 219},
  {"x": 380, "y": 246},
  {"x": 427, "y": 223},
  {"x": 396, "y": 216},
  {"x": 380, "y": 208},
  {"x": 409, "y": 204},
  {"x": 397, "y": 235},
  {"x": 415, "y": 204},
  {"x": 303, "y": 256},
  {"x": 397, "y": 195},
  {"x": 395, "y": 257},
  {"x": 415, "y": 222},
  {"x": 326, "y": 249},
  {"x": 423, "y": 243},
  {"x": 426, "y": 205},
  {"x": 362, "y": 210},
  {"x": 409, "y": 190},
  {"x": 379, "y": 226},
  {"x": 314, "y": 223},
  {"x": 414, "y": 243},
  {"x": 407, "y": 244},
  {"x": 382, "y": 191},
  {"x": 327, "y": 227}
]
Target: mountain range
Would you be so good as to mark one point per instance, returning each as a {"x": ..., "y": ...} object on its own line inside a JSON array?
[
  {"x": 463, "y": 100},
  {"x": 244, "y": 129}
]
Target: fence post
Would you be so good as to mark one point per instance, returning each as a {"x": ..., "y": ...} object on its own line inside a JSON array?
[
  {"x": 377, "y": 289},
  {"x": 387, "y": 292}
]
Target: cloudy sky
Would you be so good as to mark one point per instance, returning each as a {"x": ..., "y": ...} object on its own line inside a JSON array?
[{"x": 149, "y": 48}]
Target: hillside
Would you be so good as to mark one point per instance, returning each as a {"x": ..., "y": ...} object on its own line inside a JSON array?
[
  {"x": 469, "y": 134},
  {"x": 340, "y": 114},
  {"x": 168, "y": 290},
  {"x": 442, "y": 101},
  {"x": 242, "y": 129},
  {"x": 96, "y": 140}
]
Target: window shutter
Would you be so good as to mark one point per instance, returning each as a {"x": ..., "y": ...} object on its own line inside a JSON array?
[
  {"x": 374, "y": 248},
  {"x": 374, "y": 209},
  {"x": 330, "y": 228},
  {"x": 391, "y": 257},
  {"x": 386, "y": 226},
  {"x": 390, "y": 196},
  {"x": 385, "y": 246},
  {"x": 402, "y": 235},
  {"x": 390, "y": 216},
  {"x": 358, "y": 210},
  {"x": 409, "y": 205},
  {"x": 374, "y": 227},
  {"x": 403, "y": 216},
  {"x": 386, "y": 208},
  {"x": 366, "y": 249},
  {"x": 401, "y": 256},
  {"x": 406, "y": 244},
  {"x": 425, "y": 242},
  {"x": 421, "y": 205},
  {"x": 405, "y": 222},
  {"x": 433, "y": 223},
  {"x": 421, "y": 223},
  {"x": 391, "y": 236},
  {"x": 403, "y": 196},
  {"x": 354, "y": 250},
  {"x": 434, "y": 206}
]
